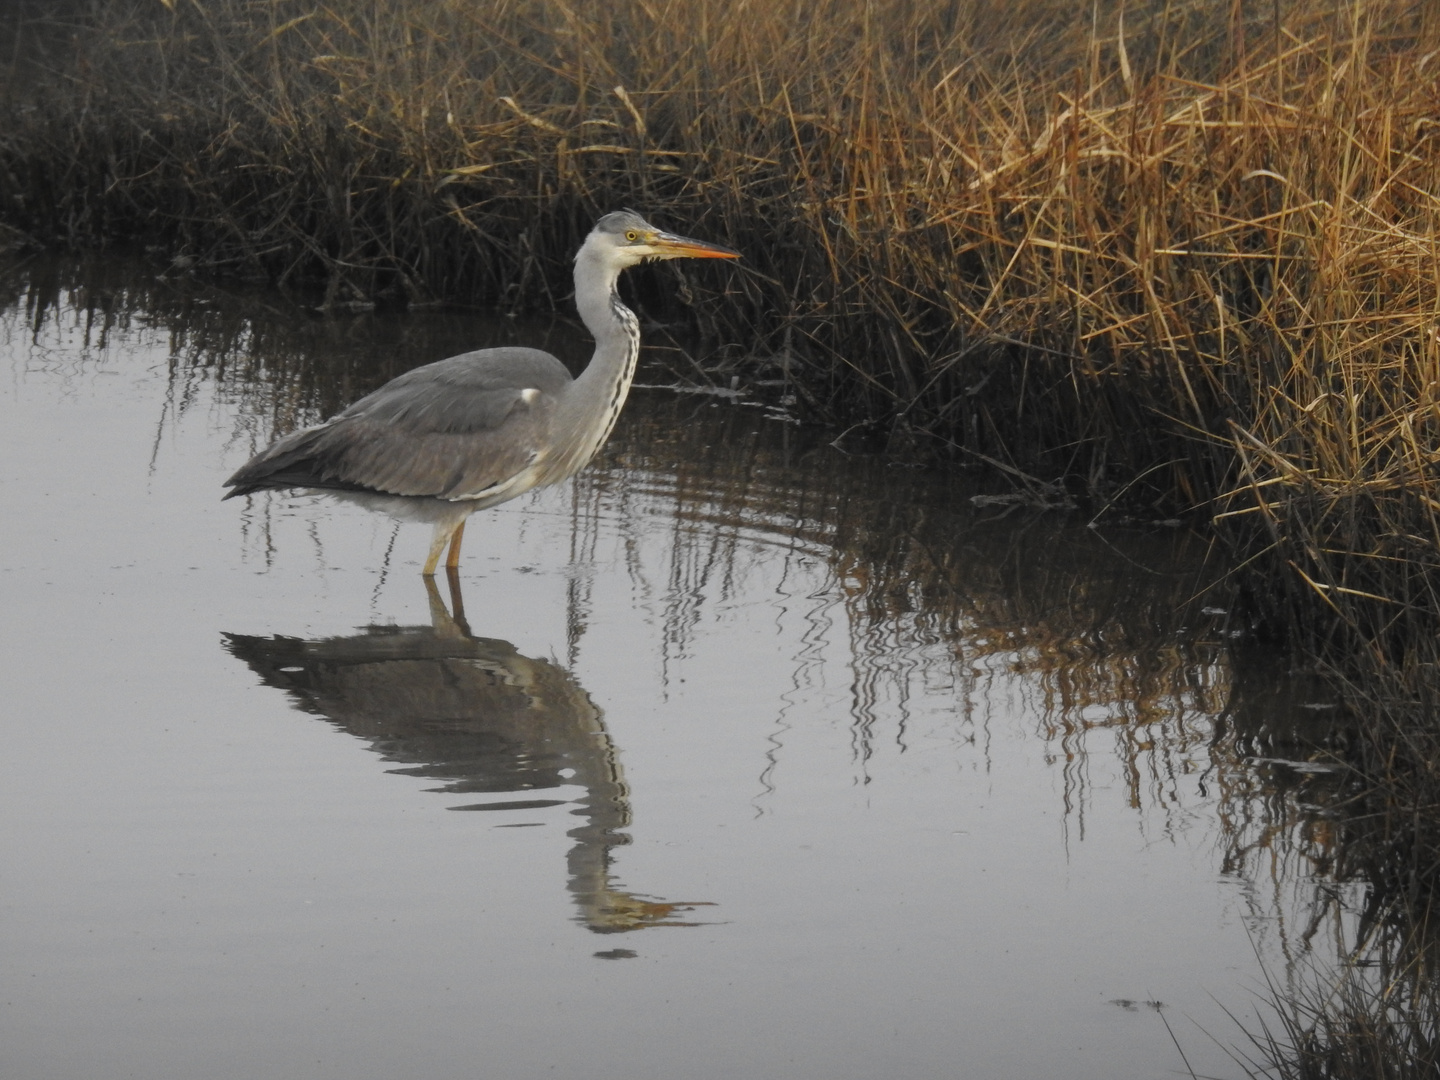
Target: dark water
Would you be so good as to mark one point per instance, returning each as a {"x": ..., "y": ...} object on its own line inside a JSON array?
[{"x": 737, "y": 756}]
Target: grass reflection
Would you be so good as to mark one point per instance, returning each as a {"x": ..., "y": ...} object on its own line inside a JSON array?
[
  {"x": 1130, "y": 646},
  {"x": 1124, "y": 641}
]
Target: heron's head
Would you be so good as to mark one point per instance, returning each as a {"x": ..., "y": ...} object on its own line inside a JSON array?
[{"x": 625, "y": 239}]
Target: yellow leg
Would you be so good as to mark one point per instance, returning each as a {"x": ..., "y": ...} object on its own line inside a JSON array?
[
  {"x": 452, "y": 561},
  {"x": 437, "y": 545},
  {"x": 457, "y": 602}
]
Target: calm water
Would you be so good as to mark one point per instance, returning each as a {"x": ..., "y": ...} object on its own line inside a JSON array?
[{"x": 740, "y": 757}]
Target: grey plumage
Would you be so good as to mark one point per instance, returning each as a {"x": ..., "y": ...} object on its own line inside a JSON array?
[
  {"x": 448, "y": 430},
  {"x": 483, "y": 427}
]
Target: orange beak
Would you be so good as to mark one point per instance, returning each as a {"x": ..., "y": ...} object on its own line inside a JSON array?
[{"x": 670, "y": 246}]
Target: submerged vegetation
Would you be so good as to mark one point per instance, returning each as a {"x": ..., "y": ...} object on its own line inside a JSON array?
[{"x": 1171, "y": 257}]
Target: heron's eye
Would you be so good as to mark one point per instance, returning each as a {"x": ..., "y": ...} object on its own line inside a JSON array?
[{"x": 632, "y": 236}]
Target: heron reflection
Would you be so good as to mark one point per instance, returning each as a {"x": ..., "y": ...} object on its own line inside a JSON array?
[{"x": 476, "y": 715}]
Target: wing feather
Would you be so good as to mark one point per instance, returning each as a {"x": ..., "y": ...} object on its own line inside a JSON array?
[{"x": 455, "y": 429}]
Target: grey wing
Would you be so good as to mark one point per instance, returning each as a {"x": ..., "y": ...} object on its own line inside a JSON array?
[{"x": 457, "y": 429}]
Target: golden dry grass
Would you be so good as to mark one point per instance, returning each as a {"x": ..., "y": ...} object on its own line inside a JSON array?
[{"x": 1180, "y": 254}]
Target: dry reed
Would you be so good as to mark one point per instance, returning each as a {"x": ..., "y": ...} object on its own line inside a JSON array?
[{"x": 1182, "y": 254}]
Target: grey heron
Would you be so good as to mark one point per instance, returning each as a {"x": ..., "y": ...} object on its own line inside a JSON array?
[{"x": 459, "y": 435}]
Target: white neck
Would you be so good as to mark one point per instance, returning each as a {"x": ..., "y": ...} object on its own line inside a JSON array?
[{"x": 594, "y": 400}]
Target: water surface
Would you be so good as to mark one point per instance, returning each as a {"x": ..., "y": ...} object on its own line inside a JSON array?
[{"x": 737, "y": 757}]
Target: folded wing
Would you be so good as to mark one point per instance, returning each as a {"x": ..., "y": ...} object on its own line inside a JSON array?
[{"x": 462, "y": 428}]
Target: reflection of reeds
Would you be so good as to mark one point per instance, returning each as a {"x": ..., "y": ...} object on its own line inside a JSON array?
[
  {"x": 1111, "y": 640},
  {"x": 1121, "y": 656}
]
